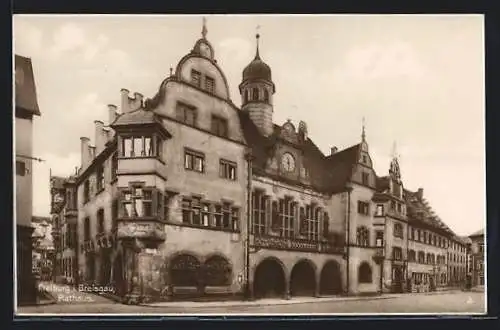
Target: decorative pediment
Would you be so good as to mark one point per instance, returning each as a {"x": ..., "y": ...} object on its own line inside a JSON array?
[{"x": 288, "y": 132}]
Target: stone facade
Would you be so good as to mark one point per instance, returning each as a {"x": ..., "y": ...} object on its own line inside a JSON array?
[{"x": 187, "y": 195}]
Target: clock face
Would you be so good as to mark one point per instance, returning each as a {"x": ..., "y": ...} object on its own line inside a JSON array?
[{"x": 288, "y": 162}]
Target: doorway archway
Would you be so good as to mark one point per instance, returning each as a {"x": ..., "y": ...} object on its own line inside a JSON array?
[
  {"x": 269, "y": 279},
  {"x": 330, "y": 279},
  {"x": 303, "y": 279}
]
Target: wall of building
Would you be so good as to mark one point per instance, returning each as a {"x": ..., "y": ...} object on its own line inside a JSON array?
[{"x": 24, "y": 184}]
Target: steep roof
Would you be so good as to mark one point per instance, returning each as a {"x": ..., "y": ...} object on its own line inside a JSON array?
[
  {"x": 25, "y": 85},
  {"x": 419, "y": 211},
  {"x": 139, "y": 116},
  {"x": 477, "y": 233},
  {"x": 326, "y": 174},
  {"x": 340, "y": 167}
]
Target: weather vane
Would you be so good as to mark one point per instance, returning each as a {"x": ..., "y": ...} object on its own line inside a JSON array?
[
  {"x": 204, "y": 29},
  {"x": 363, "y": 133}
]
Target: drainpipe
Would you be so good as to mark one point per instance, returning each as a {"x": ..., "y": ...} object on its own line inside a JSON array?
[
  {"x": 406, "y": 262},
  {"x": 348, "y": 240},
  {"x": 248, "y": 157}
]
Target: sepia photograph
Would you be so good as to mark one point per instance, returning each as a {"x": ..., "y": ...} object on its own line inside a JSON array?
[{"x": 249, "y": 165}]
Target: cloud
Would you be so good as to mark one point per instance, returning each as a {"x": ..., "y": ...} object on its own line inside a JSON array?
[
  {"x": 380, "y": 61},
  {"x": 234, "y": 49},
  {"x": 67, "y": 38},
  {"x": 27, "y": 38}
]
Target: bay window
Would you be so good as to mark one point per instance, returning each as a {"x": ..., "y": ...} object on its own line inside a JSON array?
[
  {"x": 137, "y": 202},
  {"x": 141, "y": 146}
]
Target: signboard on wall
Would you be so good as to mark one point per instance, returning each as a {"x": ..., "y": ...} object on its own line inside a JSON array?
[{"x": 140, "y": 229}]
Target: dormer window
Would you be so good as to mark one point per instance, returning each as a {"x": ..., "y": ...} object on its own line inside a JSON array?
[
  {"x": 196, "y": 78},
  {"x": 255, "y": 94}
]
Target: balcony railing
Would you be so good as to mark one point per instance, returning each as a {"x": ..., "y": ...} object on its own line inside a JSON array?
[{"x": 296, "y": 244}]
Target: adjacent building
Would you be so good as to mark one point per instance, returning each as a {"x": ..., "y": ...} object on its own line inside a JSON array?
[
  {"x": 26, "y": 107},
  {"x": 477, "y": 257},
  {"x": 43, "y": 247},
  {"x": 64, "y": 213},
  {"x": 186, "y": 194}
]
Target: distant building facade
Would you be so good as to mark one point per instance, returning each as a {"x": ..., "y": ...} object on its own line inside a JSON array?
[
  {"x": 26, "y": 107},
  {"x": 43, "y": 247},
  {"x": 477, "y": 257},
  {"x": 64, "y": 213},
  {"x": 186, "y": 194}
]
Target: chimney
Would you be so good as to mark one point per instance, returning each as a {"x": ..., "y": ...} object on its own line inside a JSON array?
[
  {"x": 138, "y": 98},
  {"x": 333, "y": 150},
  {"x": 111, "y": 113},
  {"x": 100, "y": 137},
  {"x": 420, "y": 193},
  {"x": 125, "y": 106},
  {"x": 84, "y": 151}
]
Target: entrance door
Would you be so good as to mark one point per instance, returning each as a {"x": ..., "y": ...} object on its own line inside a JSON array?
[{"x": 398, "y": 279}]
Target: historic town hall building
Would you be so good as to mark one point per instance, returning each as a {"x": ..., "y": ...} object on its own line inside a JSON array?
[{"x": 187, "y": 194}]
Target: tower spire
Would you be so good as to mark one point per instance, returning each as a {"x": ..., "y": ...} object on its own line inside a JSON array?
[
  {"x": 394, "y": 151},
  {"x": 204, "y": 30},
  {"x": 363, "y": 133},
  {"x": 257, "y": 37}
]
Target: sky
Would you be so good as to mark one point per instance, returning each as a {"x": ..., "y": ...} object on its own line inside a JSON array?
[{"x": 418, "y": 80}]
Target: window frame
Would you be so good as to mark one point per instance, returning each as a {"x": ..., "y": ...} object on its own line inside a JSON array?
[
  {"x": 219, "y": 126},
  {"x": 21, "y": 168},
  {"x": 209, "y": 88},
  {"x": 225, "y": 167},
  {"x": 194, "y": 156},
  {"x": 196, "y": 78},
  {"x": 363, "y": 208}
]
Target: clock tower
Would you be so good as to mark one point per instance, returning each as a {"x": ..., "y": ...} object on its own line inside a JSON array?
[{"x": 257, "y": 90}]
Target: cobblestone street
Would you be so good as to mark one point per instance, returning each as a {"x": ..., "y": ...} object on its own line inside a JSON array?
[{"x": 446, "y": 302}]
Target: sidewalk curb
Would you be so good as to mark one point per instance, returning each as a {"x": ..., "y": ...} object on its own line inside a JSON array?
[{"x": 284, "y": 302}]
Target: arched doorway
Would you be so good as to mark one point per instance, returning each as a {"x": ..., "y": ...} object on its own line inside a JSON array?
[
  {"x": 217, "y": 271},
  {"x": 330, "y": 282},
  {"x": 185, "y": 271},
  {"x": 303, "y": 279},
  {"x": 269, "y": 279}
]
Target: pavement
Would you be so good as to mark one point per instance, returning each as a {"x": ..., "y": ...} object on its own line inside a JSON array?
[
  {"x": 278, "y": 301},
  {"x": 448, "y": 302}
]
